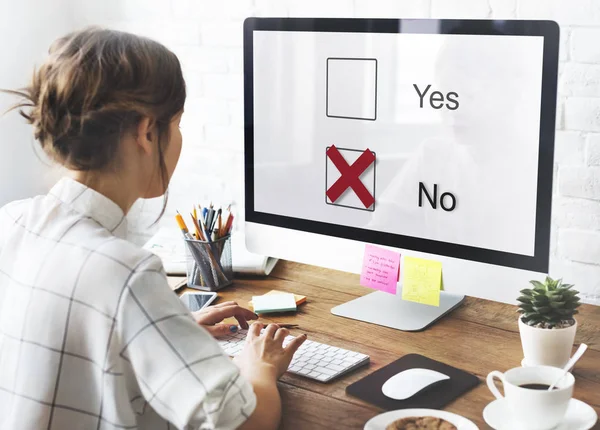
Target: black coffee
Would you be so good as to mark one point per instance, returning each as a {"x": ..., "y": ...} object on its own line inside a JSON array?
[{"x": 536, "y": 386}]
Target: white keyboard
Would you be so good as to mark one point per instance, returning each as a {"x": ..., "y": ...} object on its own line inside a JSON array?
[{"x": 313, "y": 359}]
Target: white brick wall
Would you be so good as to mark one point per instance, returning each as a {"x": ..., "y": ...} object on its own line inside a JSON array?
[
  {"x": 207, "y": 36},
  {"x": 580, "y": 80},
  {"x": 580, "y": 246},
  {"x": 584, "y": 45},
  {"x": 503, "y": 8},
  {"x": 593, "y": 149},
  {"x": 460, "y": 9},
  {"x": 565, "y": 12},
  {"x": 391, "y": 8},
  {"x": 569, "y": 148},
  {"x": 582, "y": 182},
  {"x": 582, "y": 113},
  {"x": 574, "y": 213}
]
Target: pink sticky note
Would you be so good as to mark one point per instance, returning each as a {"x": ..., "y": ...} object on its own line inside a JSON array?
[{"x": 381, "y": 269}]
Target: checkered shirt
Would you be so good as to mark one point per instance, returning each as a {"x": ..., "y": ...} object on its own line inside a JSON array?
[{"x": 91, "y": 336}]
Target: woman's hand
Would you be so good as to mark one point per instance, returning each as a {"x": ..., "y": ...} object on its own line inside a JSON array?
[
  {"x": 210, "y": 318},
  {"x": 264, "y": 355},
  {"x": 262, "y": 361}
]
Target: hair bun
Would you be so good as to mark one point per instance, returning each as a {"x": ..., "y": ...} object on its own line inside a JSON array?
[{"x": 96, "y": 85}]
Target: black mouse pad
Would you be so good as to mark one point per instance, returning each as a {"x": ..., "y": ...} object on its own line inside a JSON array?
[{"x": 434, "y": 397}]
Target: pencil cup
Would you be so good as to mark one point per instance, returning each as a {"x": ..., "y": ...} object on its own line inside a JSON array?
[{"x": 208, "y": 264}]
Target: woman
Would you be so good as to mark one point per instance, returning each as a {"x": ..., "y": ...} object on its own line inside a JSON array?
[{"x": 91, "y": 336}]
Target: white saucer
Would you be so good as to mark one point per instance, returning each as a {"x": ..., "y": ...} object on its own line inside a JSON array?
[
  {"x": 381, "y": 421},
  {"x": 579, "y": 416}
]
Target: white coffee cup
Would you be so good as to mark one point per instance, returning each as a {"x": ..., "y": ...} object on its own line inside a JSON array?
[{"x": 529, "y": 408}]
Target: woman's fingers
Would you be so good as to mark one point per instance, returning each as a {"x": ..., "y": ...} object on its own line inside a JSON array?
[
  {"x": 243, "y": 322},
  {"x": 219, "y": 314},
  {"x": 220, "y": 305},
  {"x": 295, "y": 343},
  {"x": 280, "y": 335},
  {"x": 255, "y": 329},
  {"x": 210, "y": 309},
  {"x": 219, "y": 330},
  {"x": 271, "y": 330}
]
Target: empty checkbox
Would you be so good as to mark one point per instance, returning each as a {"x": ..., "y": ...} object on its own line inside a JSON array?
[{"x": 352, "y": 88}]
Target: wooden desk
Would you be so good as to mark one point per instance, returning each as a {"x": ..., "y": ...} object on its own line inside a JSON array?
[{"x": 479, "y": 337}]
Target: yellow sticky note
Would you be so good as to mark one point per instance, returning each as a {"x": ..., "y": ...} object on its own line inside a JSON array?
[{"x": 422, "y": 281}]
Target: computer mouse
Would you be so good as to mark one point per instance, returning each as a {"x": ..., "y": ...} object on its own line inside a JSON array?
[{"x": 409, "y": 382}]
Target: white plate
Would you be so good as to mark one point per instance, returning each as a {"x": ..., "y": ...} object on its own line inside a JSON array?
[
  {"x": 579, "y": 416},
  {"x": 381, "y": 421}
]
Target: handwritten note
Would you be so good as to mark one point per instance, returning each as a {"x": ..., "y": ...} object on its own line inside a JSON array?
[
  {"x": 380, "y": 269},
  {"x": 422, "y": 281}
]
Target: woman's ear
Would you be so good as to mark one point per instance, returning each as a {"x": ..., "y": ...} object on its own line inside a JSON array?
[{"x": 145, "y": 135}]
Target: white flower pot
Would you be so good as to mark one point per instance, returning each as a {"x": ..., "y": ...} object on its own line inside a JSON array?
[{"x": 547, "y": 347}]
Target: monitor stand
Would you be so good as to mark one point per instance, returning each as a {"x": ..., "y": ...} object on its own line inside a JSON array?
[{"x": 391, "y": 311}]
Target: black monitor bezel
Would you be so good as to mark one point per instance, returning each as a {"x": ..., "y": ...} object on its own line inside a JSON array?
[{"x": 549, "y": 30}]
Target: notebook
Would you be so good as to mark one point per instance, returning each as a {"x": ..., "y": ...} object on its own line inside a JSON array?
[{"x": 168, "y": 245}]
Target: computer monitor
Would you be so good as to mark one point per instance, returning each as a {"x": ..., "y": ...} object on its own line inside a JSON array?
[{"x": 434, "y": 138}]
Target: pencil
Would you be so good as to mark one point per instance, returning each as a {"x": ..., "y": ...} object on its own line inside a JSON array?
[
  {"x": 219, "y": 223},
  {"x": 197, "y": 227},
  {"x": 230, "y": 225},
  {"x": 182, "y": 226},
  {"x": 226, "y": 223}
]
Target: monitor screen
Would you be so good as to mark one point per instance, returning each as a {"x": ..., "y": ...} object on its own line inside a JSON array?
[{"x": 430, "y": 140}]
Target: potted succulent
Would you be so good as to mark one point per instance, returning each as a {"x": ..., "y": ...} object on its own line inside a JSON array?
[{"x": 547, "y": 324}]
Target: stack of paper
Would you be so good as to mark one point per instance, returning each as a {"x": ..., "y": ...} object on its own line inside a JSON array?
[
  {"x": 297, "y": 297},
  {"x": 168, "y": 244},
  {"x": 271, "y": 303}
]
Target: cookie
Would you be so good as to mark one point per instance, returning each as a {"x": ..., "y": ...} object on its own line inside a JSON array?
[{"x": 421, "y": 423}]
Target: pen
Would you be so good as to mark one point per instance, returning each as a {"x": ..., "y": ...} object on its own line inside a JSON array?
[
  {"x": 203, "y": 212},
  {"x": 284, "y": 325},
  {"x": 218, "y": 222},
  {"x": 287, "y": 325},
  {"x": 206, "y": 232},
  {"x": 209, "y": 218}
]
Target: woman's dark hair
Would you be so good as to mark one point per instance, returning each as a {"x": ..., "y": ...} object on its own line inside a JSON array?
[{"x": 96, "y": 85}]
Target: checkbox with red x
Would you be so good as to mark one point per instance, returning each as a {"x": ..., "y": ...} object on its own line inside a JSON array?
[{"x": 350, "y": 178}]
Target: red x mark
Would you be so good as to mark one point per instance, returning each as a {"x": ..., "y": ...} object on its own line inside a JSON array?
[{"x": 350, "y": 176}]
